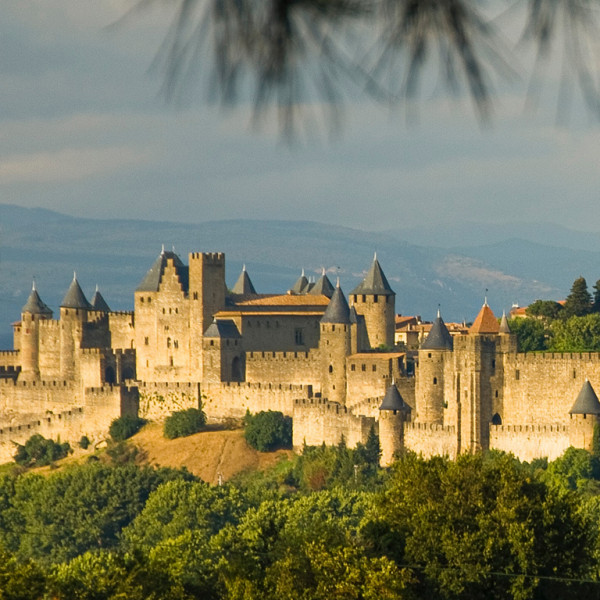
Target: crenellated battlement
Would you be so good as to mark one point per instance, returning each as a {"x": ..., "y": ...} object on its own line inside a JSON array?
[
  {"x": 530, "y": 428},
  {"x": 49, "y": 418},
  {"x": 276, "y": 356},
  {"x": 412, "y": 426},
  {"x": 209, "y": 257},
  {"x": 38, "y": 384}
]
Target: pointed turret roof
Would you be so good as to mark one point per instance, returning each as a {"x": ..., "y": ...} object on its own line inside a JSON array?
[
  {"x": 485, "y": 322},
  {"x": 98, "y": 302},
  {"x": 244, "y": 284},
  {"x": 587, "y": 402},
  {"x": 75, "y": 298},
  {"x": 35, "y": 305},
  {"x": 439, "y": 337},
  {"x": 393, "y": 400},
  {"x": 504, "y": 327},
  {"x": 375, "y": 282},
  {"x": 337, "y": 310},
  {"x": 300, "y": 284},
  {"x": 324, "y": 287},
  {"x": 151, "y": 281},
  {"x": 222, "y": 329}
]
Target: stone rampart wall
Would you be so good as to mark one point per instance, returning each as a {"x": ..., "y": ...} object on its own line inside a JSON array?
[
  {"x": 430, "y": 440},
  {"x": 159, "y": 400},
  {"x": 531, "y": 441},
  {"x": 232, "y": 400},
  {"x": 297, "y": 368},
  {"x": 317, "y": 421},
  {"x": 541, "y": 388},
  {"x": 67, "y": 423}
]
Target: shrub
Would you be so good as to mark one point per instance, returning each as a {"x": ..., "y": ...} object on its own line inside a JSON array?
[
  {"x": 124, "y": 427},
  {"x": 39, "y": 451},
  {"x": 84, "y": 442},
  {"x": 268, "y": 430},
  {"x": 184, "y": 422}
]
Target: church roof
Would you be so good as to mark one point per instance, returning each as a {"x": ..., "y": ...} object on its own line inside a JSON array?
[
  {"x": 222, "y": 329},
  {"x": 322, "y": 287},
  {"x": 337, "y": 310},
  {"x": 244, "y": 284},
  {"x": 375, "y": 282},
  {"x": 586, "y": 402},
  {"x": 439, "y": 337},
  {"x": 34, "y": 304},
  {"x": 75, "y": 298},
  {"x": 485, "y": 322},
  {"x": 151, "y": 281},
  {"x": 504, "y": 326},
  {"x": 98, "y": 302},
  {"x": 300, "y": 284},
  {"x": 393, "y": 400}
]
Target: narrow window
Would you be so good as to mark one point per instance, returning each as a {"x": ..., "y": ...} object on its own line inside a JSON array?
[
  {"x": 353, "y": 367},
  {"x": 517, "y": 374},
  {"x": 374, "y": 368},
  {"x": 146, "y": 342},
  {"x": 435, "y": 381},
  {"x": 364, "y": 367}
]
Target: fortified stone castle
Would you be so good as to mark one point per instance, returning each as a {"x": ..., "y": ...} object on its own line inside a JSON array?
[{"x": 327, "y": 361}]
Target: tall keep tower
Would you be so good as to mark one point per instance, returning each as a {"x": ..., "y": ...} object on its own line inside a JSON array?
[
  {"x": 32, "y": 313},
  {"x": 475, "y": 357},
  {"x": 207, "y": 296},
  {"x": 334, "y": 345},
  {"x": 375, "y": 300}
]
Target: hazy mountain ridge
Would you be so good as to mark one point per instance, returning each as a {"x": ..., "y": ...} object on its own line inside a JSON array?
[{"x": 116, "y": 254}]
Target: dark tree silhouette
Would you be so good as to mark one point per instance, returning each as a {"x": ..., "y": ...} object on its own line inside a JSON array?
[{"x": 292, "y": 55}]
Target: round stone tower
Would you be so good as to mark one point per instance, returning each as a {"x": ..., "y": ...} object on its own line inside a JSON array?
[
  {"x": 393, "y": 413},
  {"x": 334, "y": 346},
  {"x": 32, "y": 313},
  {"x": 434, "y": 354},
  {"x": 73, "y": 314},
  {"x": 376, "y": 301},
  {"x": 585, "y": 415}
]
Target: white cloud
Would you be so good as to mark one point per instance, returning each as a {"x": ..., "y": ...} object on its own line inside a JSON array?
[{"x": 69, "y": 164}]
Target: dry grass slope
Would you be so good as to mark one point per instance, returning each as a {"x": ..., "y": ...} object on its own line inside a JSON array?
[{"x": 205, "y": 454}]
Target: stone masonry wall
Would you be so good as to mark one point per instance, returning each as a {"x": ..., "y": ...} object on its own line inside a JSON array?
[
  {"x": 283, "y": 367},
  {"x": 317, "y": 421}
]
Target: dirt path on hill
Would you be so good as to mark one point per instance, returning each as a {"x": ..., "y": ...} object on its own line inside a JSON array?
[{"x": 205, "y": 454}]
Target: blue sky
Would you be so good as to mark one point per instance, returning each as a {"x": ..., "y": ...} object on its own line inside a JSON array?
[{"x": 84, "y": 131}]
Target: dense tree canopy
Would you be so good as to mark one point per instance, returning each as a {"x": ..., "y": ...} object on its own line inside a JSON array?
[{"x": 484, "y": 526}]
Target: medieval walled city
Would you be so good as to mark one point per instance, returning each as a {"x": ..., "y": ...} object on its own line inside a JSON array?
[{"x": 329, "y": 360}]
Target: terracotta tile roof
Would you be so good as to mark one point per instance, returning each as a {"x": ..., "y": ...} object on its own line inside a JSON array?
[
  {"x": 282, "y": 300},
  {"x": 485, "y": 322}
]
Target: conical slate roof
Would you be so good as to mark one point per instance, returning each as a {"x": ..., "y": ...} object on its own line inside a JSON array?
[
  {"x": 485, "y": 322},
  {"x": 586, "y": 402},
  {"x": 374, "y": 282},
  {"x": 34, "y": 304},
  {"x": 323, "y": 286},
  {"x": 337, "y": 310},
  {"x": 243, "y": 285},
  {"x": 393, "y": 400},
  {"x": 98, "y": 302},
  {"x": 75, "y": 298},
  {"x": 439, "y": 337},
  {"x": 300, "y": 284},
  {"x": 151, "y": 281},
  {"x": 504, "y": 327},
  {"x": 222, "y": 329}
]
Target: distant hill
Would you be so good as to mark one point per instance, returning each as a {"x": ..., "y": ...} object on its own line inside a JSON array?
[{"x": 115, "y": 254}]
